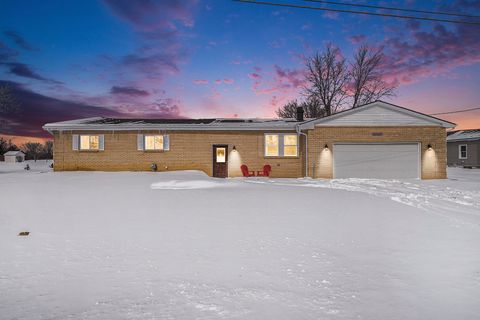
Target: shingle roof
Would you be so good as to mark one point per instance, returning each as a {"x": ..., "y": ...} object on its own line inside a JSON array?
[
  {"x": 149, "y": 121},
  {"x": 100, "y": 123},
  {"x": 472, "y": 134}
]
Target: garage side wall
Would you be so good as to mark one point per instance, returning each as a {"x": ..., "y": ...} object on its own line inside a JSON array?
[
  {"x": 433, "y": 162},
  {"x": 190, "y": 150}
]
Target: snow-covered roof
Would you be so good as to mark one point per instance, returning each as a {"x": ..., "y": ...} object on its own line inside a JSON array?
[
  {"x": 464, "y": 135},
  {"x": 13, "y": 153},
  {"x": 237, "y": 124},
  {"x": 101, "y": 123}
]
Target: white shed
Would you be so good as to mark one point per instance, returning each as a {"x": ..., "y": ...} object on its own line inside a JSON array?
[{"x": 14, "y": 156}]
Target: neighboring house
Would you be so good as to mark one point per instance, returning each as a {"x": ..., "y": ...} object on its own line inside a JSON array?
[
  {"x": 377, "y": 140},
  {"x": 14, "y": 156},
  {"x": 464, "y": 148}
]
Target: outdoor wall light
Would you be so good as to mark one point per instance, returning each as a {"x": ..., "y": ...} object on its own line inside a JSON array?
[
  {"x": 326, "y": 146},
  {"x": 429, "y": 147},
  {"x": 234, "y": 148}
]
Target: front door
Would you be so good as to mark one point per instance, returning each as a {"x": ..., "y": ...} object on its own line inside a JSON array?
[{"x": 220, "y": 160}]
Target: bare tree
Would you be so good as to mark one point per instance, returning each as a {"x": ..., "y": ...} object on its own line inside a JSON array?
[
  {"x": 332, "y": 85},
  {"x": 327, "y": 78},
  {"x": 366, "y": 76},
  {"x": 32, "y": 149},
  {"x": 311, "y": 106},
  {"x": 3, "y": 146},
  {"x": 48, "y": 149},
  {"x": 7, "y": 145},
  {"x": 288, "y": 110}
]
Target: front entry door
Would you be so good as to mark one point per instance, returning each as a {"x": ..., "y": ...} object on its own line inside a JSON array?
[{"x": 220, "y": 160}]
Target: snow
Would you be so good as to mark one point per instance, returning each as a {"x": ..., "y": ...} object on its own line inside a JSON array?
[
  {"x": 464, "y": 135},
  {"x": 181, "y": 245}
]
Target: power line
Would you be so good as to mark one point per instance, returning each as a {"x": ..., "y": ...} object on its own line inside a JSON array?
[
  {"x": 395, "y": 9},
  {"x": 457, "y": 111},
  {"x": 288, "y": 5}
]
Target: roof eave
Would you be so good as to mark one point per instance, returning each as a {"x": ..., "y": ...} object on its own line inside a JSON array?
[{"x": 91, "y": 127}]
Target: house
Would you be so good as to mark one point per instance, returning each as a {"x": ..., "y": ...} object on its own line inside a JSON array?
[
  {"x": 14, "y": 156},
  {"x": 376, "y": 140},
  {"x": 463, "y": 148}
]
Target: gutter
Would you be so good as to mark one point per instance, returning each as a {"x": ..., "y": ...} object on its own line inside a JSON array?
[
  {"x": 86, "y": 127},
  {"x": 299, "y": 132}
]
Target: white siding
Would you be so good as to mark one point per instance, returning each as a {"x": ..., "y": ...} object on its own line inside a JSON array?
[
  {"x": 10, "y": 159},
  {"x": 377, "y": 115}
]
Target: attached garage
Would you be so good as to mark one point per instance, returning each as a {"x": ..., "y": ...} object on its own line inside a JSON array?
[
  {"x": 376, "y": 160},
  {"x": 377, "y": 140}
]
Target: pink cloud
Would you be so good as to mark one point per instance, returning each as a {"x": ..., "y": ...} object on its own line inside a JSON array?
[
  {"x": 228, "y": 81},
  {"x": 357, "y": 39},
  {"x": 430, "y": 53},
  {"x": 218, "y": 81},
  {"x": 282, "y": 81},
  {"x": 200, "y": 81}
]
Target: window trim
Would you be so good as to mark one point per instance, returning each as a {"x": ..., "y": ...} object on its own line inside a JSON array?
[
  {"x": 89, "y": 142},
  {"x": 154, "y": 149},
  {"x": 281, "y": 145},
  {"x": 460, "y": 151}
]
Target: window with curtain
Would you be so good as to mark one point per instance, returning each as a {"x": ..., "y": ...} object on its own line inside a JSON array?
[
  {"x": 290, "y": 145},
  {"x": 153, "y": 142},
  {"x": 281, "y": 145},
  {"x": 89, "y": 142},
  {"x": 271, "y": 145}
]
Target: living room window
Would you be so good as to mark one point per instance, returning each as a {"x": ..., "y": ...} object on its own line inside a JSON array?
[
  {"x": 290, "y": 145},
  {"x": 281, "y": 145},
  {"x": 271, "y": 145},
  {"x": 89, "y": 142},
  {"x": 153, "y": 142}
]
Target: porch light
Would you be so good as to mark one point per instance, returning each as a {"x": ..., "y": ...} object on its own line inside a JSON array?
[
  {"x": 429, "y": 147},
  {"x": 326, "y": 146},
  {"x": 234, "y": 148}
]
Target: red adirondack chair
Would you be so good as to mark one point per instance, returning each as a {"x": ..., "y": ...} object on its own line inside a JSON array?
[
  {"x": 245, "y": 171},
  {"x": 265, "y": 172}
]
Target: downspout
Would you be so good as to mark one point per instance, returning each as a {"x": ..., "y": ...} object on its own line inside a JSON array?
[{"x": 299, "y": 132}]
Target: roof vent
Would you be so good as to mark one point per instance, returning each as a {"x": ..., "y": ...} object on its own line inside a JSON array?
[{"x": 300, "y": 113}]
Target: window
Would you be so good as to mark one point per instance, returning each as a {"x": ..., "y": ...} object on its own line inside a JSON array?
[
  {"x": 271, "y": 145},
  {"x": 89, "y": 143},
  {"x": 281, "y": 145},
  {"x": 290, "y": 145},
  {"x": 154, "y": 142},
  {"x": 220, "y": 155},
  {"x": 462, "y": 151}
]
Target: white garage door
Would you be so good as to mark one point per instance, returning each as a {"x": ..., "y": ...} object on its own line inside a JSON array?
[{"x": 382, "y": 161}]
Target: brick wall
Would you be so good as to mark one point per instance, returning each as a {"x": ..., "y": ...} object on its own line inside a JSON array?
[
  {"x": 433, "y": 162},
  {"x": 188, "y": 151}
]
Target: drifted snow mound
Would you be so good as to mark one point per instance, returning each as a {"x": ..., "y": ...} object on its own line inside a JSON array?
[
  {"x": 189, "y": 180},
  {"x": 189, "y": 184}
]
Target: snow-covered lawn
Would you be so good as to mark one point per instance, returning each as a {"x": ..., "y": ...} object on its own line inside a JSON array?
[{"x": 181, "y": 245}]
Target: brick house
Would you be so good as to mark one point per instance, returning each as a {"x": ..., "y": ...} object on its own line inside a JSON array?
[{"x": 376, "y": 140}]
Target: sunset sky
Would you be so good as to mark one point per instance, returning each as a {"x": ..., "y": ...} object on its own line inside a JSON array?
[{"x": 217, "y": 58}]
